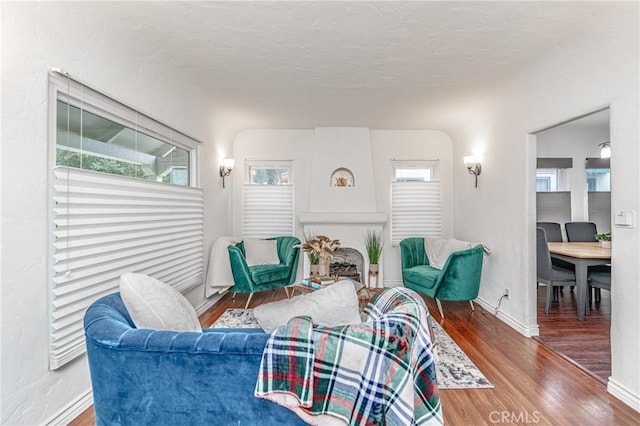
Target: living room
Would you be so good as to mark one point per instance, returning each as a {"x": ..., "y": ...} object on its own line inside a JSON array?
[{"x": 257, "y": 78}]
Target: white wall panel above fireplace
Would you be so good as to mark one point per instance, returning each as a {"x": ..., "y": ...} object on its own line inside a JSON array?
[{"x": 348, "y": 148}]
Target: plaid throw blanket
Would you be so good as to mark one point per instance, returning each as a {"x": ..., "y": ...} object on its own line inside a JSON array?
[{"x": 379, "y": 372}]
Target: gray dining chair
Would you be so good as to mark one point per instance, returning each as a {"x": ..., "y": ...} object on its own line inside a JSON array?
[
  {"x": 547, "y": 273},
  {"x": 581, "y": 232},
  {"x": 553, "y": 231},
  {"x": 599, "y": 279},
  {"x": 585, "y": 232}
]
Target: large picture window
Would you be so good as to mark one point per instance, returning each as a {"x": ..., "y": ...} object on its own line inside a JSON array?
[
  {"x": 123, "y": 199},
  {"x": 87, "y": 141}
]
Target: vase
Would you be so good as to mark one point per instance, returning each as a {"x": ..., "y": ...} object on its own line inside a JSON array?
[
  {"x": 373, "y": 268},
  {"x": 324, "y": 269},
  {"x": 605, "y": 244},
  {"x": 314, "y": 270}
]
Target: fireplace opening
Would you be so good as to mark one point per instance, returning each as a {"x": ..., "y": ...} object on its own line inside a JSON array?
[{"x": 348, "y": 263}]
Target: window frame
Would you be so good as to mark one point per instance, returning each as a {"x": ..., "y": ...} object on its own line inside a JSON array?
[
  {"x": 433, "y": 222},
  {"x": 432, "y": 165},
  {"x": 273, "y": 164},
  {"x": 68, "y": 90},
  {"x": 555, "y": 176}
]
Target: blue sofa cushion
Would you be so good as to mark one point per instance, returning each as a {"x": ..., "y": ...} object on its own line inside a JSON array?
[{"x": 268, "y": 273}]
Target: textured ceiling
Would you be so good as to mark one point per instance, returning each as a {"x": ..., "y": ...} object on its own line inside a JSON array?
[{"x": 373, "y": 64}]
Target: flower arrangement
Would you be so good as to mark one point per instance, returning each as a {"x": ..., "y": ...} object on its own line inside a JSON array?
[{"x": 320, "y": 247}]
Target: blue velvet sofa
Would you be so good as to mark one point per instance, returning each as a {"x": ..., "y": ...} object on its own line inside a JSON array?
[{"x": 147, "y": 377}]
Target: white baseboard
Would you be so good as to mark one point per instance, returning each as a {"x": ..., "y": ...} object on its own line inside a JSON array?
[
  {"x": 623, "y": 394},
  {"x": 72, "y": 410},
  {"x": 392, "y": 283},
  {"x": 525, "y": 330},
  {"x": 208, "y": 303}
]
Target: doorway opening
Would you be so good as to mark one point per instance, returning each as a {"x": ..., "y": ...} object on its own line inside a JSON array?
[{"x": 573, "y": 185}]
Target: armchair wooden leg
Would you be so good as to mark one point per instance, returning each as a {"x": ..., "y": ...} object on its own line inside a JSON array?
[
  {"x": 234, "y": 295},
  {"x": 286, "y": 290},
  {"x": 472, "y": 308},
  {"x": 440, "y": 308},
  {"x": 248, "y": 301}
]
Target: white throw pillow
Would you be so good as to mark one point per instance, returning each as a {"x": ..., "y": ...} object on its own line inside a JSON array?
[
  {"x": 332, "y": 306},
  {"x": 156, "y": 305},
  {"x": 261, "y": 252}
]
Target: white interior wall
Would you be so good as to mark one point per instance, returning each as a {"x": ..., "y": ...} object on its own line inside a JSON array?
[
  {"x": 591, "y": 71},
  {"x": 386, "y": 145},
  {"x": 73, "y": 38},
  {"x": 578, "y": 143}
]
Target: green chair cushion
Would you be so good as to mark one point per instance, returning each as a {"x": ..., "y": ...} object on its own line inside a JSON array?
[
  {"x": 262, "y": 274},
  {"x": 422, "y": 275}
]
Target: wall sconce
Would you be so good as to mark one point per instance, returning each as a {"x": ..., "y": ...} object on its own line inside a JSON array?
[
  {"x": 225, "y": 168},
  {"x": 472, "y": 166},
  {"x": 605, "y": 150}
]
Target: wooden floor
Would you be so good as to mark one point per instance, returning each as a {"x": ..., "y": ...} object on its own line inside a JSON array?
[
  {"x": 587, "y": 343},
  {"x": 533, "y": 384}
]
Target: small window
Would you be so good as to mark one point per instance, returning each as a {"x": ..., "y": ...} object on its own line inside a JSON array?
[
  {"x": 551, "y": 180},
  {"x": 599, "y": 180},
  {"x": 269, "y": 173},
  {"x": 415, "y": 171}
]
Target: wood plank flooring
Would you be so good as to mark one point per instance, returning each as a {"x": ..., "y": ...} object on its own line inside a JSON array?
[
  {"x": 533, "y": 384},
  {"x": 587, "y": 343}
]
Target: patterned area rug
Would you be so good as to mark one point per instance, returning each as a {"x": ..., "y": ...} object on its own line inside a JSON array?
[{"x": 454, "y": 368}]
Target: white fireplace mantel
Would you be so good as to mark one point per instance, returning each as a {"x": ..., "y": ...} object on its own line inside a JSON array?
[{"x": 340, "y": 218}]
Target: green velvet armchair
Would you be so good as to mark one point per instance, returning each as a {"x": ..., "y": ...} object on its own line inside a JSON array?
[
  {"x": 251, "y": 279},
  {"x": 458, "y": 280}
]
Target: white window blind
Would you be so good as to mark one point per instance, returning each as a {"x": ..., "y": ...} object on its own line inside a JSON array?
[
  {"x": 553, "y": 207},
  {"x": 106, "y": 225},
  {"x": 416, "y": 210},
  {"x": 268, "y": 211}
]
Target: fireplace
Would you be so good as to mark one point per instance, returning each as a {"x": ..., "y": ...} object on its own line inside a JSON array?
[
  {"x": 348, "y": 263},
  {"x": 343, "y": 210},
  {"x": 350, "y": 229}
]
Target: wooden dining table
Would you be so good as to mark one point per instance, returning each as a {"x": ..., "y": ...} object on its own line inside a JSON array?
[{"x": 582, "y": 255}]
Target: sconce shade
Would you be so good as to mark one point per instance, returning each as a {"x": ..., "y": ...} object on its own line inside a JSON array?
[
  {"x": 228, "y": 163},
  {"x": 469, "y": 161},
  {"x": 605, "y": 150}
]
